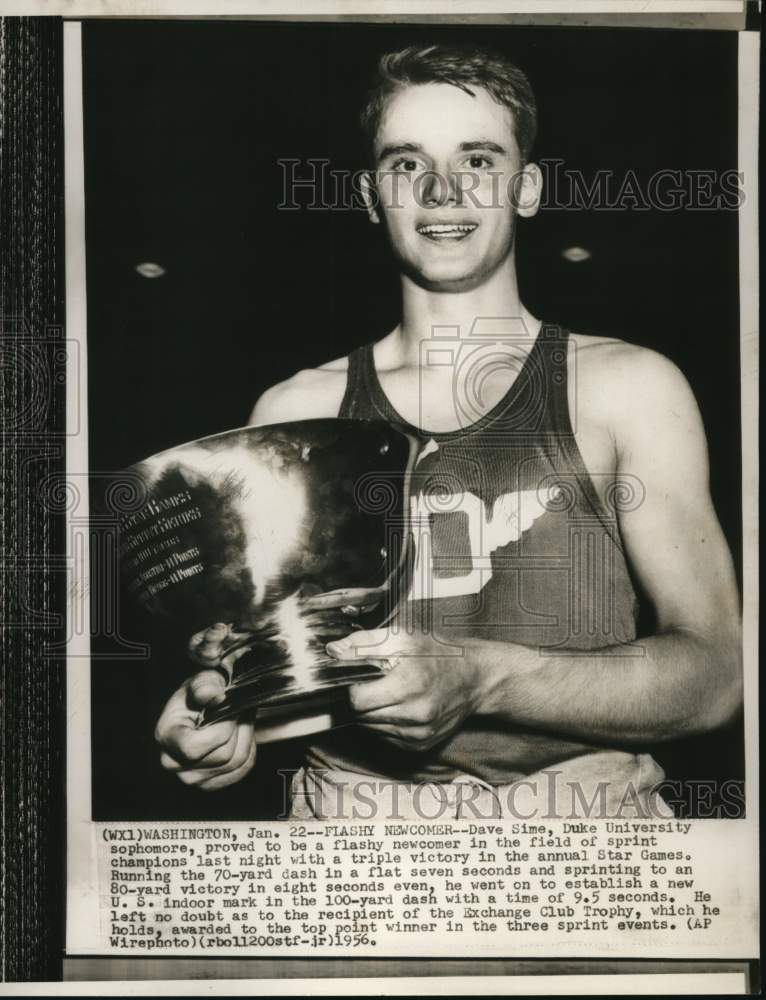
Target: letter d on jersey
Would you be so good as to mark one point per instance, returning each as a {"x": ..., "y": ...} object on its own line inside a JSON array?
[{"x": 486, "y": 529}]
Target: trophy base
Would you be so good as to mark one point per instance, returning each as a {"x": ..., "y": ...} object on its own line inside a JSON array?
[
  {"x": 325, "y": 711},
  {"x": 284, "y": 707}
]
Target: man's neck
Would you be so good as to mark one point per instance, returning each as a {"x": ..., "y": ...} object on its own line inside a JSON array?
[{"x": 493, "y": 310}]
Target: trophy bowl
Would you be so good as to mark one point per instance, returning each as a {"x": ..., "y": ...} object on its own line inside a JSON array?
[{"x": 293, "y": 535}]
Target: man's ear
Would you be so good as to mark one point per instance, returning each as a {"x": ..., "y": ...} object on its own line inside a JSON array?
[
  {"x": 528, "y": 190},
  {"x": 370, "y": 195}
]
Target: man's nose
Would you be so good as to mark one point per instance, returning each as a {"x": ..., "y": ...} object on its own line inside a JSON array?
[{"x": 441, "y": 188}]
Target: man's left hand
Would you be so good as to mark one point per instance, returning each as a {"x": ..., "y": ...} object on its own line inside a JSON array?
[{"x": 427, "y": 692}]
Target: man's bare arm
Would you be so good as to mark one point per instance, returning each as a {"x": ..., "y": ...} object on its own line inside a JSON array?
[{"x": 687, "y": 677}]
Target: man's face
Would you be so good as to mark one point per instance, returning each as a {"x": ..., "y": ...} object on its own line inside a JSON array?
[{"x": 447, "y": 169}]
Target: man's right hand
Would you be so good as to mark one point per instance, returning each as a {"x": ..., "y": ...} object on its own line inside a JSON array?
[{"x": 213, "y": 756}]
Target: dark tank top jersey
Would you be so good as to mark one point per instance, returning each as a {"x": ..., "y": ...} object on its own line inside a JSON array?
[{"x": 513, "y": 544}]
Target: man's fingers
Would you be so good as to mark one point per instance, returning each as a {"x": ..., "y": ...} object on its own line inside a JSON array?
[
  {"x": 169, "y": 763},
  {"x": 243, "y": 750},
  {"x": 385, "y": 692},
  {"x": 223, "y": 754},
  {"x": 224, "y": 779},
  {"x": 205, "y": 689},
  {"x": 206, "y": 647},
  {"x": 189, "y": 744},
  {"x": 215, "y": 758},
  {"x": 376, "y": 642}
]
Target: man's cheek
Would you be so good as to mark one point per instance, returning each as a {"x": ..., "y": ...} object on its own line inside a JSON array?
[
  {"x": 467, "y": 189},
  {"x": 492, "y": 191},
  {"x": 396, "y": 192}
]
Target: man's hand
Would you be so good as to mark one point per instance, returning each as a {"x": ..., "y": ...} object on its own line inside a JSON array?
[
  {"x": 213, "y": 756},
  {"x": 424, "y": 696}
]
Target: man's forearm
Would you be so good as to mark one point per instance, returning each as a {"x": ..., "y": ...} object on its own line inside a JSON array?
[{"x": 669, "y": 685}]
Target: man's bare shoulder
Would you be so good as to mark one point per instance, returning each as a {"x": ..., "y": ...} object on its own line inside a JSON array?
[
  {"x": 611, "y": 351},
  {"x": 630, "y": 390},
  {"x": 616, "y": 371},
  {"x": 310, "y": 394}
]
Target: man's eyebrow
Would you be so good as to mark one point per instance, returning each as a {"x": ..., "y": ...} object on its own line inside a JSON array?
[
  {"x": 396, "y": 149},
  {"x": 488, "y": 144},
  {"x": 403, "y": 147}
]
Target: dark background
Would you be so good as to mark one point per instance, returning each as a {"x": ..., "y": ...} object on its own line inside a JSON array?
[{"x": 184, "y": 125}]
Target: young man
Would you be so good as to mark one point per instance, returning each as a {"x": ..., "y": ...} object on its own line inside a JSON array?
[{"x": 559, "y": 475}]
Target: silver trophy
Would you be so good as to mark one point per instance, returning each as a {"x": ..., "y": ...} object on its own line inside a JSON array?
[{"x": 294, "y": 535}]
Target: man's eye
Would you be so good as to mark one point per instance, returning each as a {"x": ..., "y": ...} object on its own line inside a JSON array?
[
  {"x": 405, "y": 166},
  {"x": 477, "y": 162}
]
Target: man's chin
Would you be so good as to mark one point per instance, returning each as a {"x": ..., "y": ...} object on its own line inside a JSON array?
[{"x": 446, "y": 280}]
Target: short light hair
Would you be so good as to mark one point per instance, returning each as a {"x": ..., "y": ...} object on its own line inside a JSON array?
[{"x": 462, "y": 67}]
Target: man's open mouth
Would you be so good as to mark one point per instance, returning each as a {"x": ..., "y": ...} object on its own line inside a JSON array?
[{"x": 438, "y": 231}]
